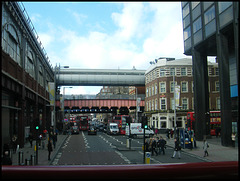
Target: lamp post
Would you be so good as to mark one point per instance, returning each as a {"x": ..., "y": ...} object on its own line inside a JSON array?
[
  {"x": 64, "y": 127},
  {"x": 57, "y": 68}
]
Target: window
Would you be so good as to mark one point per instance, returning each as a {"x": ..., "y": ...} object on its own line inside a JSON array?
[
  {"x": 153, "y": 90},
  {"x": 184, "y": 86},
  {"x": 172, "y": 87},
  {"x": 146, "y": 92},
  {"x": 217, "y": 86},
  {"x": 172, "y": 71},
  {"x": 183, "y": 71},
  {"x": 10, "y": 43},
  {"x": 184, "y": 103},
  {"x": 223, "y": 6},
  {"x": 194, "y": 4},
  {"x": 163, "y": 124},
  {"x": 187, "y": 33},
  {"x": 163, "y": 103},
  {"x": 156, "y": 104},
  {"x": 156, "y": 88},
  {"x": 30, "y": 64},
  {"x": 209, "y": 15},
  {"x": 185, "y": 11},
  {"x": 218, "y": 106},
  {"x": 162, "y": 88},
  {"x": 162, "y": 72},
  {"x": 40, "y": 75},
  {"x": 197, "y": 25},
  {"x": 172, "y": 103}
]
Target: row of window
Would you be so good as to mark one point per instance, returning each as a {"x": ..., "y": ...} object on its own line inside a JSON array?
[
  {"x": 162, "y": 72},
  {"x": 184, "y": 71},
  {"x": 11, "y": 45},
  {"x": 152, "y": 105},
  {"x": 153, "y": 90},
  {"x": 184, "y": 88},
  {"x": 209, "y": 18}
]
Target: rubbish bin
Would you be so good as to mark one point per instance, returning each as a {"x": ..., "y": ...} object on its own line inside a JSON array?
[{"x": 147, "y": 157}]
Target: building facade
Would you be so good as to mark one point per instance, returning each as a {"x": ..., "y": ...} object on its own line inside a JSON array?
[
  {"x": 25, "y": 75},
  {"x": 159, "y": 84},
  {"x": 211, "y": 29}
]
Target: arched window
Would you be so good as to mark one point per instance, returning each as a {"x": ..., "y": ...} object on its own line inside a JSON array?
[
  {"x": 10, "y": 42},
  {"x": 29, "y": 66},
  {"x": 40, "y": 75}
]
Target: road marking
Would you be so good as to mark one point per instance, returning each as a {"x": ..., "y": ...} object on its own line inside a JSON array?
[
  {"x": 85, "y": 140},
  {"x": 123, "y": 157}
]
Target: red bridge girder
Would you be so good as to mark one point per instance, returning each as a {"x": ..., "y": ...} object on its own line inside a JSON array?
[{"x": 100, "y": 103}]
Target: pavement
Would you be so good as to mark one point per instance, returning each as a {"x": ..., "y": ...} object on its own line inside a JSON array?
[
  {"x": 216, "y": 151},
  {"x": 42, "y": 152}
]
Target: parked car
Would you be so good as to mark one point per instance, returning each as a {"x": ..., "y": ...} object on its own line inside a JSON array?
[{"x": 92, "y": 130}]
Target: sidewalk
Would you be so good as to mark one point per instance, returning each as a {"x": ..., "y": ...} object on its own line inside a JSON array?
[
  {"x": 216, "y": 151},
  {"x": 42, "y": 153}
]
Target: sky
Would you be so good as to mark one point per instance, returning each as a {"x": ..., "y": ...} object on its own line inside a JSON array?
[{"x": 109, "y": 35}]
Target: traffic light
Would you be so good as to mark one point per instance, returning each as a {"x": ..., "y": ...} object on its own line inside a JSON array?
[
  {"x": 37, "y": 127},
  {"x": 128, "y": 120},
  {"x": 144, "y": 122}
]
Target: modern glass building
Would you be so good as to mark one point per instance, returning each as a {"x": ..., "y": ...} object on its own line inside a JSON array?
[{"x": 211, "y": 29}]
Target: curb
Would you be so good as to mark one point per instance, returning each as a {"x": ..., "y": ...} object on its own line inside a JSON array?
[{"x": 56, "y": 152}]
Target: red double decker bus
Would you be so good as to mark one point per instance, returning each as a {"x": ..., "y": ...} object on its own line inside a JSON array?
[
  {"x": 215, "y": 121},
  {"x": 121, "y": 121},
  {"x": 83, "y": 122}
]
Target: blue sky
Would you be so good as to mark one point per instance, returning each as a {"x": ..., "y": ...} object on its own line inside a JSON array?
[{"x": 107, "y": 35}]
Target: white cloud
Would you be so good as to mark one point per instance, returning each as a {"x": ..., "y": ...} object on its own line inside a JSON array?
[{"x": 145, "y": 31}]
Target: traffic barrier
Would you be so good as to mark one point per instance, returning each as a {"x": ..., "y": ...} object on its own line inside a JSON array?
[
  {"x": 147, "y": 157},
  {"x": 20, "y": 158}
]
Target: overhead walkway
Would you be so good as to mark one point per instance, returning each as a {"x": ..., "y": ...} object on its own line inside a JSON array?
[{"x": 100, "y": 77}]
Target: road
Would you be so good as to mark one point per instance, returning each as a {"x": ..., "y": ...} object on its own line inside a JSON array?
[{"x": 103, "y": 149}]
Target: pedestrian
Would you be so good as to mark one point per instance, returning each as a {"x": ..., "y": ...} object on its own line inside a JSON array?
[
  {"x": 50, "y": 149},
  {"x": 153, "y": 146},
  {"x": 167, "y": 133},
  {"x": 171, "y": 133},
  {"x": 54, "y": 139},
  {"x": 6, "y": 160},
  {"x": 205, "y": 147},
  {"x": 177, "y": 149},
  {"x": 146, "y": 146},
  {"x": 162, "y": 144},
  {"x": 30, "y": 138}
]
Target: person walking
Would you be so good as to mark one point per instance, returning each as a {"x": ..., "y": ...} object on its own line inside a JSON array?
[
  {"x": 205, "y": 147},
  {"x": 50, "y": 149},
  {"x": 177, "y": 149},
  {"x": 6, "y": 160},
  {"x": 162, "y": 144},
  {"x": 153, "y": 146}
]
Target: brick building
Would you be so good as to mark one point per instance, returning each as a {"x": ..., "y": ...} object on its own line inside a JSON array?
[{"x": 159, "y": 84}]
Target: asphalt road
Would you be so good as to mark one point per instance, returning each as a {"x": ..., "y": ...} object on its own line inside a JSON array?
[{"x": 103, "y": 149}]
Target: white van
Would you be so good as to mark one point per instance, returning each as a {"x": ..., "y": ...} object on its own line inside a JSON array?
[
  {"x": 136, "y": 130},
  {"x": 112, "y": 128}
]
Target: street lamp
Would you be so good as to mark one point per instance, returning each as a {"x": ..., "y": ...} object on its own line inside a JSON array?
[{"x": 57, "y": 68}]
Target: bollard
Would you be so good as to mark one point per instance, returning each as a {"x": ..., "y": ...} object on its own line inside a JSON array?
[
  {"x": 147, "y": 157},
  {"x": 20, "y": 158}
]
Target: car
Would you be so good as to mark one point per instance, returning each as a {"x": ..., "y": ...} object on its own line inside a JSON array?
[
  {"x": 75, "y": 130},
  {"x": 92, "y": 130}
]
